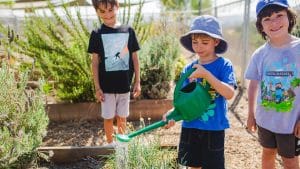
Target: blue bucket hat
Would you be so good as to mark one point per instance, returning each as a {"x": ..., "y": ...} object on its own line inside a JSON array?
[
  {"x": 208, "y": 25},
  {"x": 264, "y": 3}
]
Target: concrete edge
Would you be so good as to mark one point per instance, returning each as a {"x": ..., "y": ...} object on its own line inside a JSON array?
[{"x": 67, "y": 154}]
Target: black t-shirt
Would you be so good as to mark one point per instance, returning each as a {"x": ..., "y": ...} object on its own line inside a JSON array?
[{"x": 114, "y": 47}]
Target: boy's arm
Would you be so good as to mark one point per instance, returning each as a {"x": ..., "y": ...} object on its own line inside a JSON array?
[
  {"x": 136, "y": 66},
  {"x": 252, "y": 94},
  {"x": 222, "y": 88},
  {"x": 95, "y": 71}
]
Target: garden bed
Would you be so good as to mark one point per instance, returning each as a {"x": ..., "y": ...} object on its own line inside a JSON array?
[{"x": 241, "y": 148}]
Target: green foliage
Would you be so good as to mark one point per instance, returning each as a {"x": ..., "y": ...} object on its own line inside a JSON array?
[
  {"x": 179, "y": 67},
  {"x": 296, "y": 31},
  {"x": 180, "y": 4},
  {"x": 23, "y": 120},
  {"x": 173, "y": 4},
  {"x": 204, "y": 4},
  {"x": 158, "y": 57},
  {"x": 59, "y": 52},
  {"x": 8, "y": 3},
  {"x": 142, "y": 29},
  {"x": 143, "y": 154}
]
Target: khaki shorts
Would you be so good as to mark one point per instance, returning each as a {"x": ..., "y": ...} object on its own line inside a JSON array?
[
  {"x": 284, "y": 143},
  {"x": 115, "y": 104}
]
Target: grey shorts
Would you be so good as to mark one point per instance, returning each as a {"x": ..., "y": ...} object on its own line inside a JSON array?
[
  {"x": 115, "y": 104},
  {"x": 284, "y": 143}
]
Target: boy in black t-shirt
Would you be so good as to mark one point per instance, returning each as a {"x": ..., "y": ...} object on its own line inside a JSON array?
[{"x": 114, "y": 61}]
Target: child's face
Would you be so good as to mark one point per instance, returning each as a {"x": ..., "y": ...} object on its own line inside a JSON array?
[
  {"x": 276, "y": 25},
  {"x": 204, "y": 45},
  {"x": 108, "y": 14}
]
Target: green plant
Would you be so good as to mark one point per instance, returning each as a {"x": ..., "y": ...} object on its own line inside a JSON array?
[
  {"x": 23, "y": 120},
  {"x": 158, "y": 56},
  {"x": 179, "y": 67},
  {"x": 8, "y": 3},
  {"x": 180, "y": 4},
  {"x": 296, "y": 31},
  {"x": 142, "y": 153}
]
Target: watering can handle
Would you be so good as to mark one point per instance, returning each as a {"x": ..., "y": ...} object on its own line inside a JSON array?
[{"x": 179, "y": 84}]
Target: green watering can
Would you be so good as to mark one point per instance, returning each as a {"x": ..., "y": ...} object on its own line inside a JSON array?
[{"x": 190, "y": 103}]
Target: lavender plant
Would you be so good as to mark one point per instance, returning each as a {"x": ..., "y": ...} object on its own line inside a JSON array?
[{"x": 23, "y": 120}]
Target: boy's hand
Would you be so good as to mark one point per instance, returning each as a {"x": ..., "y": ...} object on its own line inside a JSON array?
[
  {"x": 297, "y": 129},
  {"x": 136, "y": 90},
  {"x": 99, "y": 95},
  {"x": 171, "y": 122},
  {"x": 200, "y": 72},
  {"x": 251, "y": 124}
]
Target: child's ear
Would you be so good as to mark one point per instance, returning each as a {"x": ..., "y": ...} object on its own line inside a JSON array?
[{"x": 217, "y": 41}]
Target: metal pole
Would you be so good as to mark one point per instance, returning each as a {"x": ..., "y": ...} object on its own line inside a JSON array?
[
  {"x": 245, "y": 39},
  {"x": 215, "y": 8},
  {"x": 200, "y": 7}
]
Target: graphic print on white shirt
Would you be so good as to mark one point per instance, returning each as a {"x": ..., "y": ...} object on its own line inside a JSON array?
[
  {"x": 116, "y": 51},
  {"x": 279, "y": 82}
]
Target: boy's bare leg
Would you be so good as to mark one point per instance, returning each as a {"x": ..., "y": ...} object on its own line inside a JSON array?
[
  {"x": 268, "y": 158},
  {"x": 109, "y": 129},
  {"x": 290, "y": 163},
  {"x": 121, "y": 123}
]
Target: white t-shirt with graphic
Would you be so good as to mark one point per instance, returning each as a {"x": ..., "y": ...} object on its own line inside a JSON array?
[{"x": 278, "y": 71}]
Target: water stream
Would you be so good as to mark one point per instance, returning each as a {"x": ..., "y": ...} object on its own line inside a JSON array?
[{"x": 121, "y": 151}]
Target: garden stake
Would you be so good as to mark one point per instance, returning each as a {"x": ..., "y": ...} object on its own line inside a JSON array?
[{"x": 190, "y": 103}]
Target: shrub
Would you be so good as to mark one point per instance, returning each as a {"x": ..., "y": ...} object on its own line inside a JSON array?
[
  {"x": 23, "y": 119},
  {"x": 158, "y": 57}
]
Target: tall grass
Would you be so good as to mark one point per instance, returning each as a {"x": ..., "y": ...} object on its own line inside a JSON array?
[{"x": 144, "y": 153}]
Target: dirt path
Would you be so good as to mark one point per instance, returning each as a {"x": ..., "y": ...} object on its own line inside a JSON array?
[{"x": 242, "y": 150}]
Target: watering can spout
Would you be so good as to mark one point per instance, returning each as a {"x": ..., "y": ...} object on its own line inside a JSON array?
[{"x": 174, "y": 115}]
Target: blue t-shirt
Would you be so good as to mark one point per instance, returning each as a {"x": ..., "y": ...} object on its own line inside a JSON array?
[
  {"x": 215, "y": 118},
  {"x": 278, "y": 73}
]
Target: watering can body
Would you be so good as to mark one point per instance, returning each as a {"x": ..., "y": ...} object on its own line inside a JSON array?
[{"x": 190, "y": 102}]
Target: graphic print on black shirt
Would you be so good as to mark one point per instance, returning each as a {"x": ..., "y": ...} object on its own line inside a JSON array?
[
  {"x": 116, "y": 51},
  {"x": 114, "y": 47}
]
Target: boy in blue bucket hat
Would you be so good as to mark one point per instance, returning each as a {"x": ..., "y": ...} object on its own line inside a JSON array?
[
  {"x": 274, "y": 74},
  {"x": 202, "y": 140}
]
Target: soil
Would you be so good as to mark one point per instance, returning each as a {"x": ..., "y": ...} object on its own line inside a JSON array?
[{"x": 242, "y": 149}]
